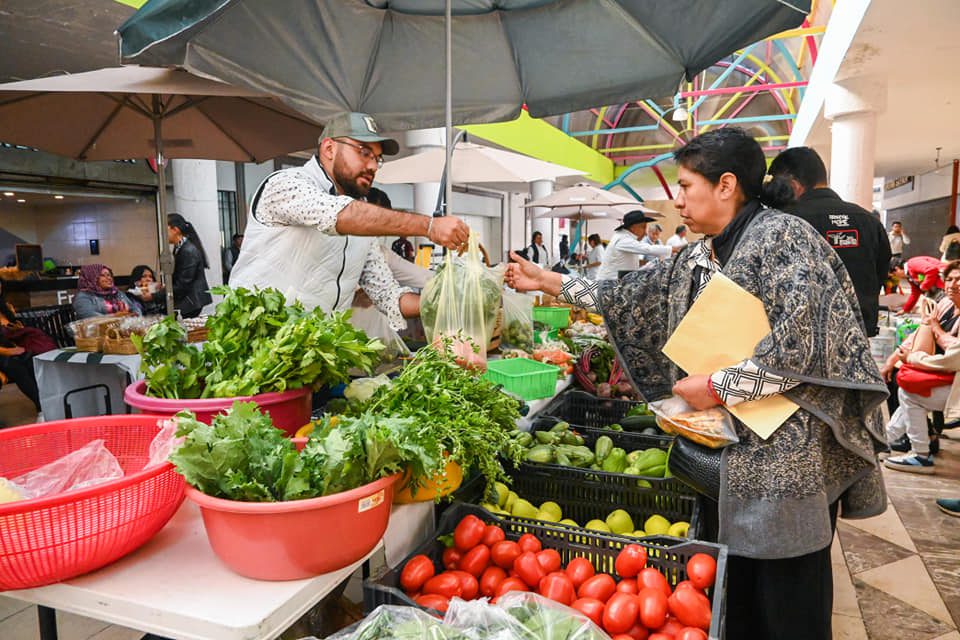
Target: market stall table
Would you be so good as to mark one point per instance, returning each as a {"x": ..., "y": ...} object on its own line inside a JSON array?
[
  {"x": 62, "y": 371},
  {"x": 177, "y": 588}
]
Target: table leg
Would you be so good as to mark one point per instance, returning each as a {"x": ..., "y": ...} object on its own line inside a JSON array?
[{"x": 47, "y": 618}]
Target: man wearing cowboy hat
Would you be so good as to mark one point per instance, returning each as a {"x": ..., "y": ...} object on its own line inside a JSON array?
[{"x": 625, "y": 249}]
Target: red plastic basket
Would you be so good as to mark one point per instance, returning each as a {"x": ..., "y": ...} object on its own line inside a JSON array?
[{"x": 62, "y": 536}]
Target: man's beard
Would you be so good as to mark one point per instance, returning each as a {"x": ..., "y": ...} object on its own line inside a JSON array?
[{"x": 349, "y": 185}]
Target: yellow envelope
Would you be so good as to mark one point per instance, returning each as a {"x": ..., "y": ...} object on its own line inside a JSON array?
[{"x": 721, "y": 329}]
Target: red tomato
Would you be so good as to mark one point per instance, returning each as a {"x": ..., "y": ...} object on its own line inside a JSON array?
[
  {"x": 690, "y": 633},
  {"x": 600, "y": 586},
  {"x": 653, "y": 608},
  {"x": 621, "y": 636},
  {"x": 579, "y": 569},
  {"x": 671, "y": 628},
  {"x": 433, "y": 601},
  {"x": 446, "y": 584},
  {"x": 630, "y": 561},
  {"x": 476, "y": 560},
  {"x": 691, "y": 608},
  {"x": 549, "y": 559},
  {"x": 492, "y": 535},
  {"x": 469, "y": 587},
  {"x": 557, "y": 587},
  {"x": 660, "y": 636},
  {"x": 505, "y": 553},
  {"x": 468, "y": 533},
  {"x": 512, "y": 584},
  {"x": 637, "y": 632},
  {"x": 701, "y": 570},
  {"x": 490, "y": 580},
  {"x": 451, "y": 556},
  {"x": 653, "y": 579},
  {"x": 620, "y": 613},
  {"x": 686, "y": 584},
  {"x": 529, "y": 542},
  {"x": 590, "y": 607},
  {"x": 416, "y": 572},
  {"x": 529, "y": 569},
  {"x": 628, "y": 585}
]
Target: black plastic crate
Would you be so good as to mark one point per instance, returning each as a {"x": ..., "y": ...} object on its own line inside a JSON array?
[
  {"x": 627, "y": 441},
  {"x": 587, "y": 410},
  {"x": 667, "y": 555}
]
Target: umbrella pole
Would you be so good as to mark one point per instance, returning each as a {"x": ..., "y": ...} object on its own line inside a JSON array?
[
  {"x": 166, "y": 257},
  {"x": 448, "y": 185}
]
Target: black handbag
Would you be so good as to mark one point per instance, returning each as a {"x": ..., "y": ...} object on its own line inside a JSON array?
[{"x": 696, "y": 466}]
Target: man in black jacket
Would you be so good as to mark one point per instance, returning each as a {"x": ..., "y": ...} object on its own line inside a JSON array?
[{"x": 855, "y": 234}]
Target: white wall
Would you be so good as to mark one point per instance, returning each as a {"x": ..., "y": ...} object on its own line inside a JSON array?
[{"x": 928, "y": 186}]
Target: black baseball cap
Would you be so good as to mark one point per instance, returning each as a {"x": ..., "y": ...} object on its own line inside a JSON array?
[
  {"x": 634, "y": 217},
  {"x": 360, "y": 127}
]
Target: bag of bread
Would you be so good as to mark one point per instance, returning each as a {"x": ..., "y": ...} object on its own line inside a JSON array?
[{"x": 712, "y": 428}]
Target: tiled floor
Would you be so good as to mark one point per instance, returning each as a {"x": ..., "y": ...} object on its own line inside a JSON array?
[{"x": 896, "y": 576}]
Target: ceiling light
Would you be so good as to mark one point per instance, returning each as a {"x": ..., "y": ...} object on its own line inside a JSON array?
[
  {"x": 58, "y": 197},
  {"x": 21, "y": 200},
  {"x": 680, "y": 114},
  {"x": 8, "y": 193}
]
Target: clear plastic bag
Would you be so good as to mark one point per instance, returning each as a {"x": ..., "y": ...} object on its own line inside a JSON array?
[
  {"x": 164, "y": 442},
  {"x": 712, "y": 428},
  {"x": 545, "y": 619},
  {"x": 397, "y": 623},
  {"x": 517, "y": 330},
  {"x": 89, "y": 465},
  {"x": 371, "y": 321},
  {"x": 461, "y": 302}
]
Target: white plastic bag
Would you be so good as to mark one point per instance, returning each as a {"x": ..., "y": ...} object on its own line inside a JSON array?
[
  {"x": 461, "y": 302},
  {"x": 712, "y": 428},
  {"x": 89, "y": 465},
  {"x": 517, "y": 332},
  {"x": 164, "y": 442}
]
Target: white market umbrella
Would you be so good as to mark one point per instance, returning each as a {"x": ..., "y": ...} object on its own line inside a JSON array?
[
  {"x": 136, "y": 112},
  {"x": 471, "y": 163}
]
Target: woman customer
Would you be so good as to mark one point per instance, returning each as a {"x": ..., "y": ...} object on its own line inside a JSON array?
[
  {"x": 190, "y": 290},
  {"x": 145, "y": 289},
  {"x": 34, "y": 341},
  {"x": 18, "y": 345},
  {"x": 97, "y": 295},
  {"x": 932, "y": 356},
  {"x": 778, "y": 497}
]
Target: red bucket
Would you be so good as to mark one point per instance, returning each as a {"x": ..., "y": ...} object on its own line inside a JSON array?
[
  {"x": 300, "y": 538},
  {"x": 289, "y": 410}
]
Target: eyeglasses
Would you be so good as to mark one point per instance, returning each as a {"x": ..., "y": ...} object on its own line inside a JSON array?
[{"x": 365, "y": 152}]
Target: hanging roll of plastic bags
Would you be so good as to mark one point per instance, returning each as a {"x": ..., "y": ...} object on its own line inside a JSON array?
[{"x": 459, "y": 305}]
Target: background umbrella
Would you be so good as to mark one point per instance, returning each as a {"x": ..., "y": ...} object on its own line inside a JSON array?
[
  {"x": 471, "y": 163},
  {"x": 132, "y": 112},
  {"x": 393, "y": 58}
]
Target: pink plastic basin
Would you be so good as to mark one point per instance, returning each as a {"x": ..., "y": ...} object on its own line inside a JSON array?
[
  {"x": 289, "y": 410},
  {"x": 300, "y": 538}
]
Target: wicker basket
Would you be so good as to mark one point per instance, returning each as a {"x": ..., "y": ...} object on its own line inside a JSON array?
[
  {"x": 89, "y": 344},
  {"x": 115, "y": 343},
  {"x": 197, "y": 335}
]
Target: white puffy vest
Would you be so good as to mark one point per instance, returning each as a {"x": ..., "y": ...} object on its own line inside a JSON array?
[{"x": 304, "y": 263}]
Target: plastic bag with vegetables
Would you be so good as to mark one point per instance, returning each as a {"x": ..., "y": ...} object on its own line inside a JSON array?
[
  {"x": 712, "y": 428},
  {"x": 517, "y": 321},
  {"x": 462, "y": 300}
]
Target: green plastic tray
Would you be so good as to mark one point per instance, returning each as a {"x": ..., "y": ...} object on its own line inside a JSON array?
[
  {"x": 556, "y": 317},
  {"x": 529, "y": 379}
]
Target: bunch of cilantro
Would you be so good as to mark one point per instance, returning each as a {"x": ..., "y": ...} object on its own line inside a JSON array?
[
  {"x": 256, "y": 343},
  {"x": 242, "y": 456},
  {"x": 467, "y": 413}
]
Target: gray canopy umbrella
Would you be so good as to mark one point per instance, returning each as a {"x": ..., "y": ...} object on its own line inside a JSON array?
[
  {"x": 393, "y": 58},
  {"x": 136, "y": 112}
]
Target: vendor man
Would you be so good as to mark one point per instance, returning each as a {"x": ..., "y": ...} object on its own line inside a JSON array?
[
  {"x": 625, "y": 248},
  {"x": 309, "y": 228}
]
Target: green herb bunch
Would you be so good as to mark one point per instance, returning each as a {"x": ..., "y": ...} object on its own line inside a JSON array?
[
  {"x": 255, "y": 344},
  {"x": 242, "y": 456},
  {"x": 469, "y": 415}
]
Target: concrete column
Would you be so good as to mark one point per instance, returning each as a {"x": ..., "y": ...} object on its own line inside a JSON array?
[
  {"x": 425, "y": 193},
  {"x": 541, "y": 189},
  {"x": 195, "y": 198},
  {"x": 852, "y": 106}
]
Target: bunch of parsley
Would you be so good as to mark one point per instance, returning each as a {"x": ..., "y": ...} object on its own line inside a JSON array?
[
  {"x": 468, "y": 414},
  {"x": 256, "y": 343},
  {"x": 242, "y": 456}
]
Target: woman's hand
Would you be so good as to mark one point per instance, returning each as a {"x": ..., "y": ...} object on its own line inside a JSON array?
[
  {"x": 523, "y": 275},
  {"x": 696, "y": 392},
  {"x": 886, "y": 371},
  {"x": 10, "y": 352}
]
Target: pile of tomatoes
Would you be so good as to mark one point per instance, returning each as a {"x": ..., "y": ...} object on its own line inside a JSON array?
[{"x": 640, "y": 606}]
